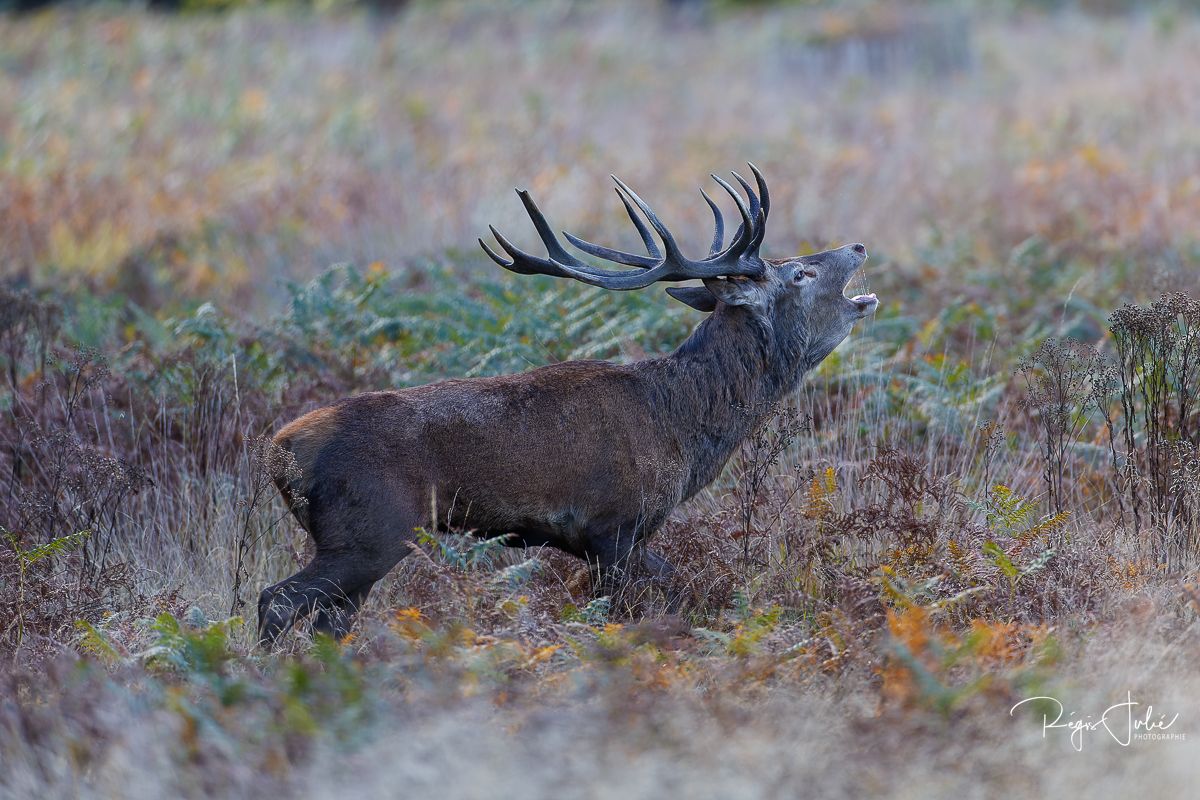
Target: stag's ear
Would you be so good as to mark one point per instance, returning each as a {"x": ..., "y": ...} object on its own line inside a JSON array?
[
  {"x": 736, "y": 291},
  {"x": 698, "y": 297}
]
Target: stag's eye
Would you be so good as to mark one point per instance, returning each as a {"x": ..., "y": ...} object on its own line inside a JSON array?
[{"x": 805, "y": 273}]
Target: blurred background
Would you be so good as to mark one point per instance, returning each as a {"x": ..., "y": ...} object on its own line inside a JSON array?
[
  {"x": 217, "y": 215},
  {"x": 210, "y": 150}
]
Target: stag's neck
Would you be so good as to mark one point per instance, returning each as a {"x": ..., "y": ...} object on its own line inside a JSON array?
[{"x": 721, "y": 383}]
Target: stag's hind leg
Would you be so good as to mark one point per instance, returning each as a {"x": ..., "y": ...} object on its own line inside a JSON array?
[
  {"x": 360, "y": 533},
  {"x": 323, "y": 583}
]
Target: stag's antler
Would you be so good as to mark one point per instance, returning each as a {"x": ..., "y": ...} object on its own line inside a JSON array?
[{"x": 668, "y": 264}]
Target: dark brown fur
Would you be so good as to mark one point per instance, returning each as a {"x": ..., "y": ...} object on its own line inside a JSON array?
[{"x": 586, "y": 456}]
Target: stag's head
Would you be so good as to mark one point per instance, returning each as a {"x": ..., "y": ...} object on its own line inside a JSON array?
[{"x": 801, "y": 299}]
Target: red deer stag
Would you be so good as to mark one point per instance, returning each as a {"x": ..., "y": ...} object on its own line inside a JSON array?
[{"x": 585, "y": 456}]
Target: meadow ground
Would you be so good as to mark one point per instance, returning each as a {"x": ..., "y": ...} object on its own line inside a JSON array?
[{"x": 990, "y": 492}]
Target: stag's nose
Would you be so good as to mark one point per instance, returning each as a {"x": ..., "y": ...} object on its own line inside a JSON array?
[{"x": 859, "y": 248}]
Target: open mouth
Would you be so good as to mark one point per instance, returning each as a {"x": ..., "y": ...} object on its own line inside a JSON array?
[{"x": 866, "y": 303}]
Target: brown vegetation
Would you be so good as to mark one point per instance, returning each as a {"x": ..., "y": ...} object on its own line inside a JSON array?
[{"x": 987, "y": 494}]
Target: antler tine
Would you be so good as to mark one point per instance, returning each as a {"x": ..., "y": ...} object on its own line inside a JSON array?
[
  {"x": 523, "y": 263},
  {"x": 643, "y": 231},
  {"x": 763, "y": 195},
  {"x": 737, "y": 198},
  {"x": 492, "y": 254},
  {"x": 608, "y": 254},
  {"x": 760, "y": 230},
  {"x": 754, "y": 205},
  {"x": 718, "y": 224},
  {"x": 553, "y": 248}
]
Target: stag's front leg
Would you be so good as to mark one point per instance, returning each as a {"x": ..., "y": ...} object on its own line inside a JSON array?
[
  {"x": 662, "y": 574},
  {"x": 610, "y": 556},
  {"x": 656, "y": 566},
  {"x": 620, "y": 566}
]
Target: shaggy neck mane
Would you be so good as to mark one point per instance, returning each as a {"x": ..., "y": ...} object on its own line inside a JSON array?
[{"x": 721, "y": 383}]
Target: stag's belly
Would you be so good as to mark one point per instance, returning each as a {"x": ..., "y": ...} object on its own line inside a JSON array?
[{"x": 563, "y": 502}]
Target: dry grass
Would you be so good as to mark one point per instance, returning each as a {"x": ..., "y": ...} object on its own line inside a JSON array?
[{"x": 868, "y": 589}]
